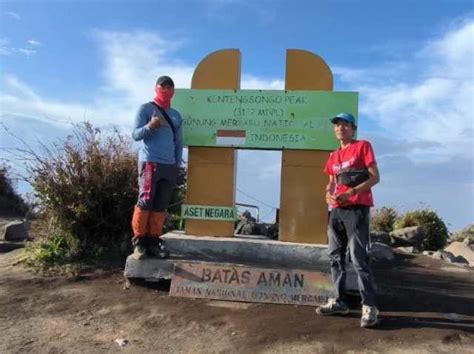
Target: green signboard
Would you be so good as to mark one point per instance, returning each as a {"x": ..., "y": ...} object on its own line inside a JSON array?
[
  {"x": 208, "y": 212},
  {"x": 262, "y": 119}
]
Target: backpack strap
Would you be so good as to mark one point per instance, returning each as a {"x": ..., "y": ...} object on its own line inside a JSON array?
[{"x": 167, "y": 117}]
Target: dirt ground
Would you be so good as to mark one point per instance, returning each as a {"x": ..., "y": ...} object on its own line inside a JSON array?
[{"x": 427, "y": 306}]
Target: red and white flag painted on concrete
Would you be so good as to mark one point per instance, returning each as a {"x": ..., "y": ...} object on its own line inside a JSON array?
[{"x": 230, "y": 137}]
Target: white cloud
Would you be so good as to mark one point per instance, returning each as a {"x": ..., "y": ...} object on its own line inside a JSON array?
[
  {"x": 6, "y": 49},
  {"x": 436, "y": 108},
  {"x": 421, "y": 108},
  {"x": 12, "y": 15},
  {"x": 250, "y": 82},
  {"x": 132, "y": 62},
  {"x": 26, "y": 51},
  {"x": 15, "y": 93},
  {"x": 453, "y": 54},
  {"x": 420, "y": 119},
  {"x": 34, "y": 43},
  {"x": 18, "y": 88}
]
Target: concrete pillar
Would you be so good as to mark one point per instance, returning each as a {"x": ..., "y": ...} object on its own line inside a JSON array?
[
  {"x": 212, "y": 171},
  {"x": 303, "y": 209}
]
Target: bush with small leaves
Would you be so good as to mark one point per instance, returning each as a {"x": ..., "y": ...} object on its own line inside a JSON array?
[
  {"x": 383, "y": 219},
  {"x": 434, "y": 229},
  {"x": 87, "y": 185},
  {"x": 10, "y": 202},
  {"x": 462, "y": 235}
]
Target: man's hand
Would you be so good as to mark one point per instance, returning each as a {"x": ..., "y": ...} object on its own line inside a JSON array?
[
  {"x": 155, "y": 122},
  {"x": 344, "y": 197},
  {"x": 330, "y": 198}
]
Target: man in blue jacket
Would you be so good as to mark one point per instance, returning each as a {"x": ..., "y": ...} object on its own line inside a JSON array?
[{"x": 159, "y": 128}]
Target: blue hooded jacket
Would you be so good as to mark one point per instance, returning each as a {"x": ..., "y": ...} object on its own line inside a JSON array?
[{"x": 158, "y": 145}]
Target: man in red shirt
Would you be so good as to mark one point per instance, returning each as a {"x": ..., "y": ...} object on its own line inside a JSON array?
[{"x": 352, "y": 171}]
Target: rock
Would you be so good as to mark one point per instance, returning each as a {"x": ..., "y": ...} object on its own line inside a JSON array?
[
  {"x": 121, "y": 342},
  {"x": 273, "y": 231},
  {"x": 8, "y": 246},
  {"x": 454, "y": 317},
  {"x": 260, "y": 229},
  {"x": 409, "y": 249},
  {"x": 463, "y": 250},
  {"x": 414, "y": 235},
  {"x": 249, "y": 226},
  {"x": 239, "y": 227},
  {"x": 15, "y": 231},
  {"x": 247, "y": 229},
  {"x": 381, "y": 251},
  {"x": 380, "y": 236},
  {"x": 460, "y": 260},
  {"x": 428, "y": 253},
  {"x": 399, "y": 242},
  {"x": 248, "y": 216},
  {"x": 444, "y": 255}
]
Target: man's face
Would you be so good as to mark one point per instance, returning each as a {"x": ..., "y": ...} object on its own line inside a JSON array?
[
  {"x": 166, "y": 90},
  {"x": 343, "y": 130},
  {"x": 166, "y": 87}
]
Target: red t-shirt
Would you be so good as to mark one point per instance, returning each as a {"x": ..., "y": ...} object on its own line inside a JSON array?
[{"x": 358, "y": 154}]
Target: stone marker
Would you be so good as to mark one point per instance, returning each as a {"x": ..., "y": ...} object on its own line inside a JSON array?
[{"x": 250, "y": 284}]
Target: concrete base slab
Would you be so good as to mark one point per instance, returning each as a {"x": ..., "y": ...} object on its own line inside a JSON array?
[
  {"x": 238, "y": 250},
  {"x": 246, "y": 250},
  {"x": 151, "y": 269}
]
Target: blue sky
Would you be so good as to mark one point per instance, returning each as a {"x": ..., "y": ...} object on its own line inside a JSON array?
[{"x": 411, "y": 61}]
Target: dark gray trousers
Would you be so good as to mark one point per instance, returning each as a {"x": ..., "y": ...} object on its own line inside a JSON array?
[
  {"x": 156, "y": 183},
  {"x": 349, "y": 227}
]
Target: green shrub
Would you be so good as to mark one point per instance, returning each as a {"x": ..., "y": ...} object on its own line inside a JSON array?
[
  {"x": 86, "y": 189},
  {"x": 48, "y": 255},
  {"x": 460, "y": 236},
  {"x": 434, "y": 229},
  {"x": 10, "y": 202},
  {"x": 383, "y": 219},
  {"x": 88, "y": 186},
  {"x": 50, "y": 250}
]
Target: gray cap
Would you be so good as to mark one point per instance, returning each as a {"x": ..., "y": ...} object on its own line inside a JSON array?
[{"x": 164, "y": 80}]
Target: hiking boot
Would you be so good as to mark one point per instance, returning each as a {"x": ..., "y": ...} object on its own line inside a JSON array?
[
  {"x": 369, "y": 316},
  {"x": 157, "y": 249},
  {"x": 139, "y": 252},
  {"x": 332, "y": 307}
]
